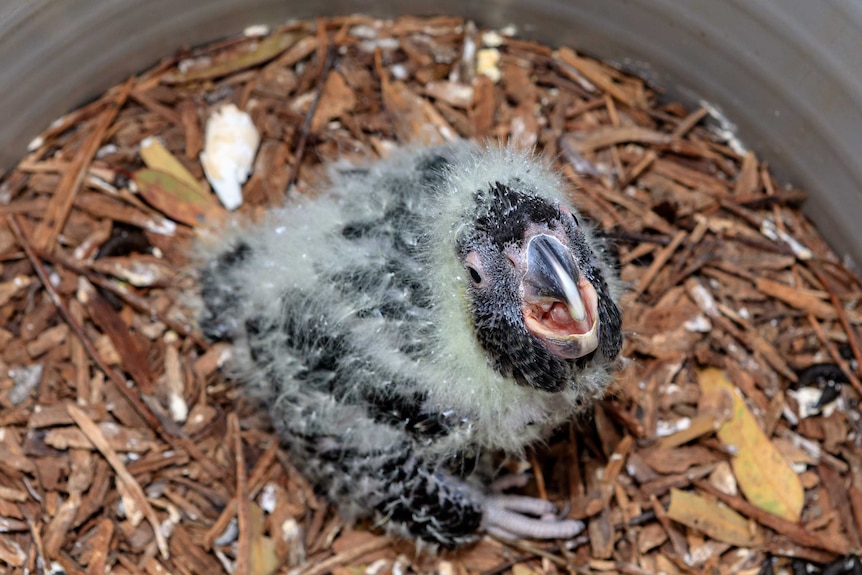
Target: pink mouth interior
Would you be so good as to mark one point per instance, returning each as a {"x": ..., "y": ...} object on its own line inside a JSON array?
[{"x": 554, "y": 318}]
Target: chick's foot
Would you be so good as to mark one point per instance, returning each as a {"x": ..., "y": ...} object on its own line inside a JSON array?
[{"x": 514, "y": 517}]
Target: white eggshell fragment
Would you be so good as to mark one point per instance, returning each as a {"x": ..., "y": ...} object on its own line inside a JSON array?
[{"x": 230, "y": 145}]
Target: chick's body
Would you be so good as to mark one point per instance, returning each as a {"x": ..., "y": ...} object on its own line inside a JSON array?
[{"x": 424, "y": 311}]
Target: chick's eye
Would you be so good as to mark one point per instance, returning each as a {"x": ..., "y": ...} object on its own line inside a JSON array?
[
  {"x": 567, "y": 211},
  {"x": 475, "y": 276}
]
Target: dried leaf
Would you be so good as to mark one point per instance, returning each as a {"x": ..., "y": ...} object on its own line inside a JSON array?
[
  {"x": 764, "y": 477},
  {"x": 176, "y": 199},
  {"x": 157, "y": 157},
  {"x": 718, "y": 521},
  {"x": 264, "y": 559},
  {"x": 259, "y": 53},
  {"x": 521, "y": 569}
]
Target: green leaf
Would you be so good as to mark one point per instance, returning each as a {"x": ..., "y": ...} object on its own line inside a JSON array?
[{"x": 176, "y": 199}]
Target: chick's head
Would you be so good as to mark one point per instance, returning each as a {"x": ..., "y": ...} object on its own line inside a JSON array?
[{"x": 541, "y": 306}]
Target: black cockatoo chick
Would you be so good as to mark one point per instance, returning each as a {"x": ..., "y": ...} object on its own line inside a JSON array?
[{"x": 424, "y": 312}]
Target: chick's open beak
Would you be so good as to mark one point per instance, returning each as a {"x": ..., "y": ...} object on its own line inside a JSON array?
[{"x": 559, "y": 304}]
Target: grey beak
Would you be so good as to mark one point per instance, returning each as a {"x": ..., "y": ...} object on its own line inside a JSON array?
[{"x": 553, "y": 275}]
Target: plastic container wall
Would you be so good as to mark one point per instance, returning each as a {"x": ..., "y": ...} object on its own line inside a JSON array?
[{"x": 788, "y": 73}]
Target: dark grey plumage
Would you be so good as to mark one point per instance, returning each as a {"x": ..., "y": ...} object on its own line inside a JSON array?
[{"x": 425, "y": 311}]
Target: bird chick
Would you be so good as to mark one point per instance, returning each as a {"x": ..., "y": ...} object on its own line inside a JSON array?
[{"x": 425, "y": 311}]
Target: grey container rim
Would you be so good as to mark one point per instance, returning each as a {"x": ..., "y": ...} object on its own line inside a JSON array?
[{"x": 787, "y": 72}]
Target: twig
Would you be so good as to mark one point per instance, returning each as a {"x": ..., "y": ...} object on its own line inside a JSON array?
[
  {"x": 255, "y": 483},
  {"x": 506, "y": 565},
  {"x": 836, "y": 357},
  {"x": 537, "y": 473},
  {"x": 243, "y": 551},
  {"x": 37, "y": 543},
  {"x": 842, "y": 316},
  {"x": 94, "y": 434},
  {"x": 688, "y": 123},
  {"x": 619, "y": 235},
  {"x": 299, "y": 152},
  {"x": 793, "y": 531},
  {"x": 63, "y": 198},
  {"x": 535, "y": 551},
  {"x": 658, "y": 263},
  {"x": 345, "y": 557}
]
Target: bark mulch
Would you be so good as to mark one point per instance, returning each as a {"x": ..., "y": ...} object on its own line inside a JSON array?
[{"x": 730, "y": 444}]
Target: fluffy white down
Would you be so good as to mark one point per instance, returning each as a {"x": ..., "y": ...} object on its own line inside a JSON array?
[
  {"x": 511, "y": 415},
  {"x": 457, "y": 376}
]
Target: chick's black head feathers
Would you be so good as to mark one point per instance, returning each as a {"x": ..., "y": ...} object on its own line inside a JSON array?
[{"x": 541, "y": 307}]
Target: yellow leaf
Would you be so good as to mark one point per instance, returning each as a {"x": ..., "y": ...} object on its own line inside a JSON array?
[
  {"x": 521, "y": 569},
  {"x": 264, "y": 557},
  {"x": 157, "y": 157},
  {"x": 718, "y": 521},
  {"x": 764, "y": 477}
]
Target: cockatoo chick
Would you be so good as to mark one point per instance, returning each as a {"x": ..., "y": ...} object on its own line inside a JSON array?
[{"x": 423, "y": 313}]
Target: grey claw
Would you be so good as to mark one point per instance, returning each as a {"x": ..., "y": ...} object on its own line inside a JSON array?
[{"x": 523, "y": 504}]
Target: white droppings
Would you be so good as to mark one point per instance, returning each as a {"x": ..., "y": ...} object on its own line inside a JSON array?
[
  {"x": 704, "y": 299},
  {"x": 24, "y": 381},
  {"x": 268, "y": 498},
  {"x": 229, "y": 534},
  {"x": 509, "y": 30},
  {"x": 255, "y": 31},
  {"x": 187, "y": 64},
  {"x": 698, "y": 324},
  {"x": 488, "y": 63},
  {"x": 364, "y": 32},
  {"x": 399, "y": 71},
  {"x": 771, "y": 231},
  {"x": 230, "y": 146},
  {"x": 35, "y": 144},
  {"x": 492, "y": 39},
  {"x": 178, "y": 407},
  {"x": 665, "y": 428},
  {"x": 376, "y": 567},
  {"x": 725, "y": 129},
  {"x": 106, "y": 149},
  {"x": 162, "y": 226}
]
